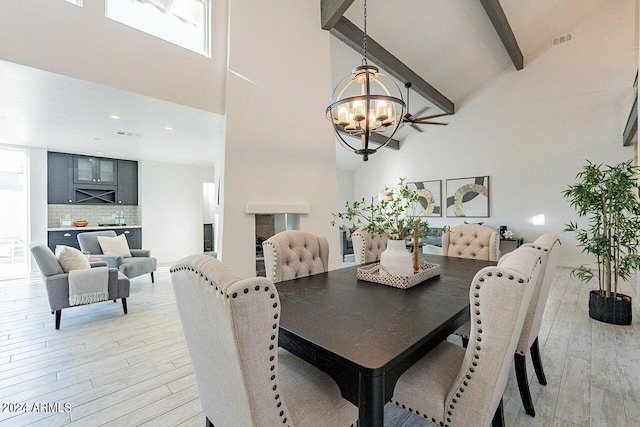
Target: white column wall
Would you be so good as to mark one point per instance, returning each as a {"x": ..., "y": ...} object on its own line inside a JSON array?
[
  {"x": 530, "y": 130},
  {"x": 172, "y": 206},
  {"x": 81, "y": 42},
  {"x": 279, "y": 146}
]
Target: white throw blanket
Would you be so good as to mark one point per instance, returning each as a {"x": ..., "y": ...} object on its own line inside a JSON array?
[{"x": 87, "y": 286}]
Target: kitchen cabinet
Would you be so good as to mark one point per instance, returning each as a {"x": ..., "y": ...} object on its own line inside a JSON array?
[
  {"x": 59, "y": 178},
  {"x": 94, "y": 170},
  {"x": 127, "y": 182},
  {"x": 70, "y": 237},
  {"x": 86, "y": 180}
]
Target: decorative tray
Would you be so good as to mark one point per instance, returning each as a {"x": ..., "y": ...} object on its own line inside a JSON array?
[{"x": 377, "y": 274}]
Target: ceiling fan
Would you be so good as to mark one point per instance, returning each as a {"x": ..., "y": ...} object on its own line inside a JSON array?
[{"x": 413, "y": 121}]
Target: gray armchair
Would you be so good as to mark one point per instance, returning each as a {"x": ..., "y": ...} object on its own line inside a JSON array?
[
  {"x": 141, "y": 262},
  {"x": 56, "y": 280}
]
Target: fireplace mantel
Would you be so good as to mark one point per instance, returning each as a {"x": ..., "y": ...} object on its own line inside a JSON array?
[{"x": 296, "y": 208}]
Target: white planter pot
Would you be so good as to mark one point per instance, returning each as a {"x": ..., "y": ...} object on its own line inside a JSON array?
[{"x": 396, "y": 260}]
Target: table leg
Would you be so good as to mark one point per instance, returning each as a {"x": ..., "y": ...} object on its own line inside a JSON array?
[{"x": 371, "y": 401}]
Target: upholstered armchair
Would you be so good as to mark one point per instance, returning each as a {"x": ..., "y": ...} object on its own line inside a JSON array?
[
  {"x": 140, "y": 262},
  {"x": 367, "y": 247},
  {"x": 292, "y": 254},
  {"x": 56, "y": 281},
  {"x": 548, "y": 246},
  {"x": 454, "y": 386},
  {"x": 472, "y": 241},
  {"x": 244, "y": 379}
]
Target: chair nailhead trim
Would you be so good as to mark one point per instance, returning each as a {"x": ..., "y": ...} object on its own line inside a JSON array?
[{"x": 272, "y": 348}]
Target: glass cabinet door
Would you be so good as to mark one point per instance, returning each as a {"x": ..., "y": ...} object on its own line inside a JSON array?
[
  {"x": 84, "y": 169},
  {"x": 106, "y": 170}
]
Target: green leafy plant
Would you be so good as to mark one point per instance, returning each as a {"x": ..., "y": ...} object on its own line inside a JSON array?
[
  {"x": 607, "y": 197},
  {"x": 394, "y": 213}
]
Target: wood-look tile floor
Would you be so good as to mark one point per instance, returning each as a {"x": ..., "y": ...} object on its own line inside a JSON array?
[{"x": 131, "y": 370}]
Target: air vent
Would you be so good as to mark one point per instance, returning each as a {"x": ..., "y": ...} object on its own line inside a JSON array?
[
  {"x": 562, "y": 39},
  {"x": 130, "y": 134}
]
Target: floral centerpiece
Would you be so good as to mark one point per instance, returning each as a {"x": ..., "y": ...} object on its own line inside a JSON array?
[{"x": 393, "y": 213}]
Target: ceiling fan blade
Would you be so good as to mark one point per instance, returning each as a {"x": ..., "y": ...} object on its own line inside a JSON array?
[
  {"x": 431, "y": 117},
  {"x": 420, "y": 112},
  {"x": 413, "y": 125},
  {"x": 430, "y": 123}
]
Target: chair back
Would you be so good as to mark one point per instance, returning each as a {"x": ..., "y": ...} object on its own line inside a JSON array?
[
  {"x": 89, "y": 240},
  {"x": 499, "y": 298},
  {"x": 472, "y": 241},
  {"x": 231, "y": 328},
  {"x": 548, "y": 245},
  {"x": 46, "y": 260},
  {"x": 367, "y": 247},
  {"x": 292, "y": 254}
]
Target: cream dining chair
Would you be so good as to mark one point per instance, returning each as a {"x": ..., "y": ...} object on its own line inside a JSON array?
[
  {"x": 548, "y": 245},
  {"x": 367, "y": 247},
  {"x": 472, "y": 241},
  {"x": 244, "y": 379},
  {"x": 454, "y": 386},
  {"x": 292, "y": 254}
]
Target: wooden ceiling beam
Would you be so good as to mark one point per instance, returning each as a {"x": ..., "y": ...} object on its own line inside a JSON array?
[
  {"x": 331, "y": 11},
  {"x": 501, "y": 24},
  {"x": 352, "y": 36}
]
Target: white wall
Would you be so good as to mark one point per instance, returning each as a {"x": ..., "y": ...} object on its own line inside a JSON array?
[
  {"x": 81, "y": 42},
  {"x": 279, "y": 147},
  {"x": 531, "y": 130},
  {"x": 345, "y": 191},
  {"x": 172, "y": 206}
]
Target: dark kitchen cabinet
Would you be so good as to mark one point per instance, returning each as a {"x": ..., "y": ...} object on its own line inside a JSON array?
[
  {"x": 59, "y": 178},
  {"x": 127, "y": 182},
  {"x": 86, "y": 180},
  {"x": 94, "y": 170},
  {"x": 70, "y": 237}
]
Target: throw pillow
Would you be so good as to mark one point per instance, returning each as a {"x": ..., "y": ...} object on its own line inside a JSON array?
[
  {"x": 115, "y": 245},
  {"x": 71, "y": 259}
]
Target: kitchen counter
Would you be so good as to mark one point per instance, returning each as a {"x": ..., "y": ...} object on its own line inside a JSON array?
[{"x": 94, "y": 227}]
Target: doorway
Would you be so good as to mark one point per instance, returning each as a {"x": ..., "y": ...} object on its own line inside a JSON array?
[{"x": 14, "y": 213}]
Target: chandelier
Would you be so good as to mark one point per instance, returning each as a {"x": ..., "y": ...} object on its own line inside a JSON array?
[{"x": 361, "y": 105}]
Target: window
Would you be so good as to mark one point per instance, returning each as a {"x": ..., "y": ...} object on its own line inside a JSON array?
[{"x": 181, "y": 22}]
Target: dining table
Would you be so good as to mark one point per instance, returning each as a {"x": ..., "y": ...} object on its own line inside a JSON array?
[{"x": 364, "y": 335}]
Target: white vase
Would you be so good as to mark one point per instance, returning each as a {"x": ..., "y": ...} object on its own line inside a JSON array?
[{"x": 396, "y": 260}]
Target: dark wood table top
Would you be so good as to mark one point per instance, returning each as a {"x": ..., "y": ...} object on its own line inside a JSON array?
[{"x": 348, "y": 327}]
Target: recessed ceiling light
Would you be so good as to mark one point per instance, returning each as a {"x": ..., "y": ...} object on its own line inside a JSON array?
[
  {"x": 99, "y": 153},
  {"x": 168, "y": 128},
  {"x": 115, "y": 116}
]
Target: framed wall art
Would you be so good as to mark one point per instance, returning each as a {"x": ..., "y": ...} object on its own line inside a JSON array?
[
  {"x": 468, "y": 197},
  {"x": 432, "y": 192}
]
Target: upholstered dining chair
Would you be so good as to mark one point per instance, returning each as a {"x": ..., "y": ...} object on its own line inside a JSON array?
[
  {"x": 454, "y": 386},
  {"x": 231, "y": 328},
  {"x": 472, "y": 241},
  {"x": 56, "y": 281},
  {"x": 548, "y": 245},
  {"x": 292, "y": 254},
  {"x": 140, "y": 262},
  {"x": 367, "y": 247}
]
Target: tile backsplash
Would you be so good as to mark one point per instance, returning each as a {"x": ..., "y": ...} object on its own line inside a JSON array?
[{"x": 95, "y": 214}]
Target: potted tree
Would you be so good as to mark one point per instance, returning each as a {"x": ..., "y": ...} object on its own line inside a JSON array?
[
  {"x": 394, "y": 213},
  {"x": 607, "y": 197}
]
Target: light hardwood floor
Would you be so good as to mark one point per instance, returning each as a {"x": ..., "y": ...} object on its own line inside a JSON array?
[{"x": 131, "y": 370}]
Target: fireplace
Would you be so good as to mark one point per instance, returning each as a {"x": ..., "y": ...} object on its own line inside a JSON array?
[{"x": 268, "y": 225}]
